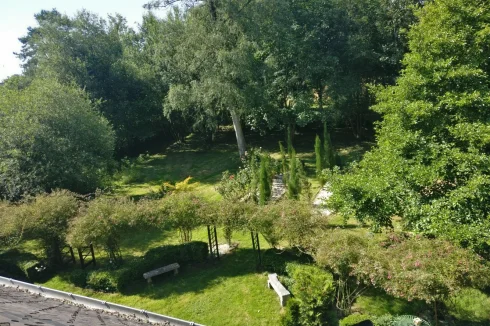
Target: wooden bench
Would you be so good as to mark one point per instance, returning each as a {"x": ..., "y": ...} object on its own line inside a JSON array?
[
  {"x": 172, "y": 267},
  {"x": 283, "y": 293}
]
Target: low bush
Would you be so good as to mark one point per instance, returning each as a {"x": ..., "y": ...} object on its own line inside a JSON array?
[
  {"x": 385, "y": 320},
  {"x": 275, "y": 260},
  {"x": 102, "y": 281},
  {"x": 36, "y": 271},
  {"x": 356, "y": 319},
  {"x": 11, "y": 270},
  {"x": 313, "y": 289},
  {"x": 469, "y": 305},
  {"x": 78, "y": 277},
  {"x": 190, "y": 252},
  {"x": 292, "y": 315}
]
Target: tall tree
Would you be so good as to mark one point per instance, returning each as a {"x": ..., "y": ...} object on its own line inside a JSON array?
[
  {"x": 431, "y": 163},
  {"x": 218, "y": 69},
  {"x": 52, "y": 137},
  {"x": 104, "y": 58}
]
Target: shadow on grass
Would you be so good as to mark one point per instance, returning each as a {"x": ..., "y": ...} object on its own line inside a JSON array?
[{"x": 198, "y": 278}]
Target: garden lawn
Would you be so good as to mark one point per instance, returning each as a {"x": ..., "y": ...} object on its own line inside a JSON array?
[
  {"x": 229, "y": 291},
  {"x": 225, "y": 292}
]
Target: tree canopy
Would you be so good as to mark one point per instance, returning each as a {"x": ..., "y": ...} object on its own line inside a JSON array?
[
  {"x": 430, "y": 165},
  {"x": 52, "y": 137}
]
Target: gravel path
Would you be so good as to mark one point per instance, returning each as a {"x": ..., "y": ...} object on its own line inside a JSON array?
[{"x": 319, "y": 201}]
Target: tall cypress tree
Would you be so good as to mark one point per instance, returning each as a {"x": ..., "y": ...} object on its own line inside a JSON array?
[
  {"x": 290, "y": 142},
  {"x": 265, "y": 187},
  {"x": 293, "y": 183},
  {"x": 318, "y": 155},
  {"x": 328, "y": 153}
]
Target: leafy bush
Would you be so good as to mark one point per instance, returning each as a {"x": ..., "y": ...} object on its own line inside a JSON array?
[
  {"x": 78, "y": 277},
  {"x": 292, "y": 315},
  {"x": 52, "y": 137},
  {"x": 11, "y": 270},
  {"x": 313, "y": 290},
  {"x": 191, "y": 252},
  {"x": 354, "y": 319},
  {"x": 424, "y": 269},
  {"x": 469, "y": 305},
  {"x": 46, "y": 217},
  {"x": 287, "y": 219},
  {"x": 385, "y": 320},
  {"x": 185, "y": 212},
  {"x": 102, "y": 281},
  {"x": 104, "y": 221}
]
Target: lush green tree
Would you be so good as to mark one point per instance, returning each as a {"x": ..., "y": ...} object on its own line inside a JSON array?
[
  {"x": 431, "y": 163},
  {"x": 45, "y": 217},
  {"x": 218, "y": 70},
  {"x": 52, "y": 137},
  {"x": 376, "y": 42},
  {"x": 107, "y": 59}
]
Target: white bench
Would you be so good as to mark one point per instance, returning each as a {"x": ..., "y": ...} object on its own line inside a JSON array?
[
  {"x": 283, "y": 293},
  {"x": 172, "y": 267}
]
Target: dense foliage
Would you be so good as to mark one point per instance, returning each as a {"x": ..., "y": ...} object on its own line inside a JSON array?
[
  {"x": 46, "y": 217},
  {"x": 52, "y": 137},
  {"x": 430, "y": 165},
  {"x": 313, "y": 289}
]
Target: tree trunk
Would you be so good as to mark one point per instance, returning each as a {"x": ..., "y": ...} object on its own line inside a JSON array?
[{"x": 240, "y": 138}]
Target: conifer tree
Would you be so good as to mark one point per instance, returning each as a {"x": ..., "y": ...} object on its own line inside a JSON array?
[
  {"x": 293, "y": 183},
  {"x": 318, "y": 155},
  {"x": 265, "y": 187}
]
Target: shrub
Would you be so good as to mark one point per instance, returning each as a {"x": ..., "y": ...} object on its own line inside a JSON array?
[
  {"x": 313, "y": 289},
  {"x": 469, "y": 305},
  {"x": 78, "y": 277},
  {"x": 11, "y": 270},
  {"x": 424, "y": 269},
  {"x": 102, "y": 281},
  {"x": 353, "y": 320},
  {"x": 184, "y": 211},
  {"x": 104, "y": 221},
  {"x": 291, "y": 317},
  {"x": 190, "y": 252},
  {"x": 385, "y": 320},
  {"x": 36, "y": 271}
]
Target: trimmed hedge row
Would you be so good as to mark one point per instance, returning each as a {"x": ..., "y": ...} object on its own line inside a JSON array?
[{"x": 116, "y": 280}]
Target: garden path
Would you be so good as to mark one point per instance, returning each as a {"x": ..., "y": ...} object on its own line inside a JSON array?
[{"x": 320, "y": 198}]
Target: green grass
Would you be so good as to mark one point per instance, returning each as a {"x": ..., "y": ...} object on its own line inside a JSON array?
[
  {"x": 205, "y": 163},
  {"x": 226, "y": 292},
  {"x": 229, "y": 291}
]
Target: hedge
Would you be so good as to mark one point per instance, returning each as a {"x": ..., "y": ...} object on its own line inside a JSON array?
[
  {"x": 116, "y": 280},
  {"x": 356, "y": 319}
]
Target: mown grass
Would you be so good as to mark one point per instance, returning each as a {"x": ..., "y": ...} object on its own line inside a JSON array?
[
  {"x": 227, "y": 292},
  {"x": 206, "y": 162}
]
